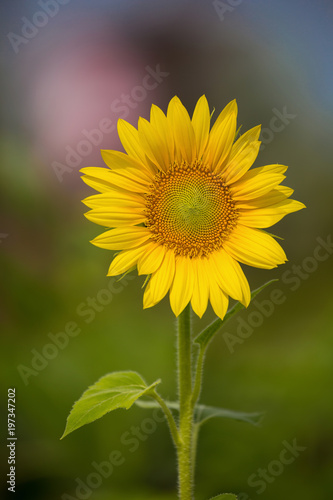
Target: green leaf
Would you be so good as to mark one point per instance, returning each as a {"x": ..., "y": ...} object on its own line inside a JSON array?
[
  {"x": 115, "y": 390},
  {"x": 204, "y": 413},
  {"x": 208, "y": 333},
  {"x": 225, "y": 496}
]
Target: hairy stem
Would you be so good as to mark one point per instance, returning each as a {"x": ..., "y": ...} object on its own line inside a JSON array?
[
  {"x": 198, "y": 376},
  {"x": 184, "y": 449},
  {"x": 171, "y": 421}
]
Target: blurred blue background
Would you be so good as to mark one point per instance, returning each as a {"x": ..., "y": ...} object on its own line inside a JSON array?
[{"x": 69, "y": 70}]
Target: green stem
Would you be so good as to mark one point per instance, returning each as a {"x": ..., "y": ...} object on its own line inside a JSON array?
[
  {"x": 198, "y": 376},
  {"x": 184, "y": 449},
  {"x": 196, "y": 429},
  {"x": 171, "y": 421}
]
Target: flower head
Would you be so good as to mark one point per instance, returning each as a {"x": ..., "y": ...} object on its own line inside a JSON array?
[{"x": 184, "y": 208}]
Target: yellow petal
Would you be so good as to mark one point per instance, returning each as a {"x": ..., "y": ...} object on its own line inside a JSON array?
[
  {"x": 276, "y": 195},
  {"x": 151, "y": 260},
  {"x": 180, "y": 123},
  {"x": 286, "y": 191},
  {"x": 182, "y": 287},
  {"x": 221, "y": 138},
  {"x": 248, "y": 137},
  {"x": 270, "y": 215},
  {"x": 154, "y": 146},
  {"x": 254, "y": 248},
  {"x": 160, "y": 282},
  {"x": 97, "y": 178},
  {"x": 103, "y": 179},
  {"x": 242, "y": 156},
  {"x": 241, "y": 163},
  {"x": 122, "y": 238},
  {"x": 258, "y": 184},
  {"x": 160, "y": 122},
  {"x": 129, "y": 137},
  {"x": 275, "y": 168},
  {"x": 200, "y": 295},
  {"x": 218, "y": 298},
  {"x": 119, "y": 160},
  {"x": 230, "y": 277},
  {"x": 201, "y": 124},
  {"x": 125, "y": 260},
  {"x": 116, "y": 216},
  {"x": 115, "y": 197},
  {"x": 229, "y": 109},
  {"x": 130, "y": 179}
]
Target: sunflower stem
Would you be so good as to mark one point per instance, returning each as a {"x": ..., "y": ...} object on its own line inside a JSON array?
[
  {"x": 168, "y": 414},
  {"x": 185, "y": 447},
  {"x": 196, "y": 428},
  {"x": 198, "y": 376}
]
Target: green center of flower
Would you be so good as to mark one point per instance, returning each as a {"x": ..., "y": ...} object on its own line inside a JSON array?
[{"x": 190, "y": 210}]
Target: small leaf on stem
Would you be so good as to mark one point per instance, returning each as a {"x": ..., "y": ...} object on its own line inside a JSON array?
[
  {"x": 115, "y": 390},
  {"x": 203, "y": 413}
]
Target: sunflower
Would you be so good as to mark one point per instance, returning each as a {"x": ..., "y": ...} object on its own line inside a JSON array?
[{"x": 184, "y": 208}]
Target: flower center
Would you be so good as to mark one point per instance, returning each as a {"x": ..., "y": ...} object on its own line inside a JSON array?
[{"x": 190, "y": 210}]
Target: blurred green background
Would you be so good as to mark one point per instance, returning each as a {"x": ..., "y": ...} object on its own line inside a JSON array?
[{"x": 67, "y": 66}]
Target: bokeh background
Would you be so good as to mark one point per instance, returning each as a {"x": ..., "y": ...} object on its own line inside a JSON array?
[{"x": 67, "y": 70}]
